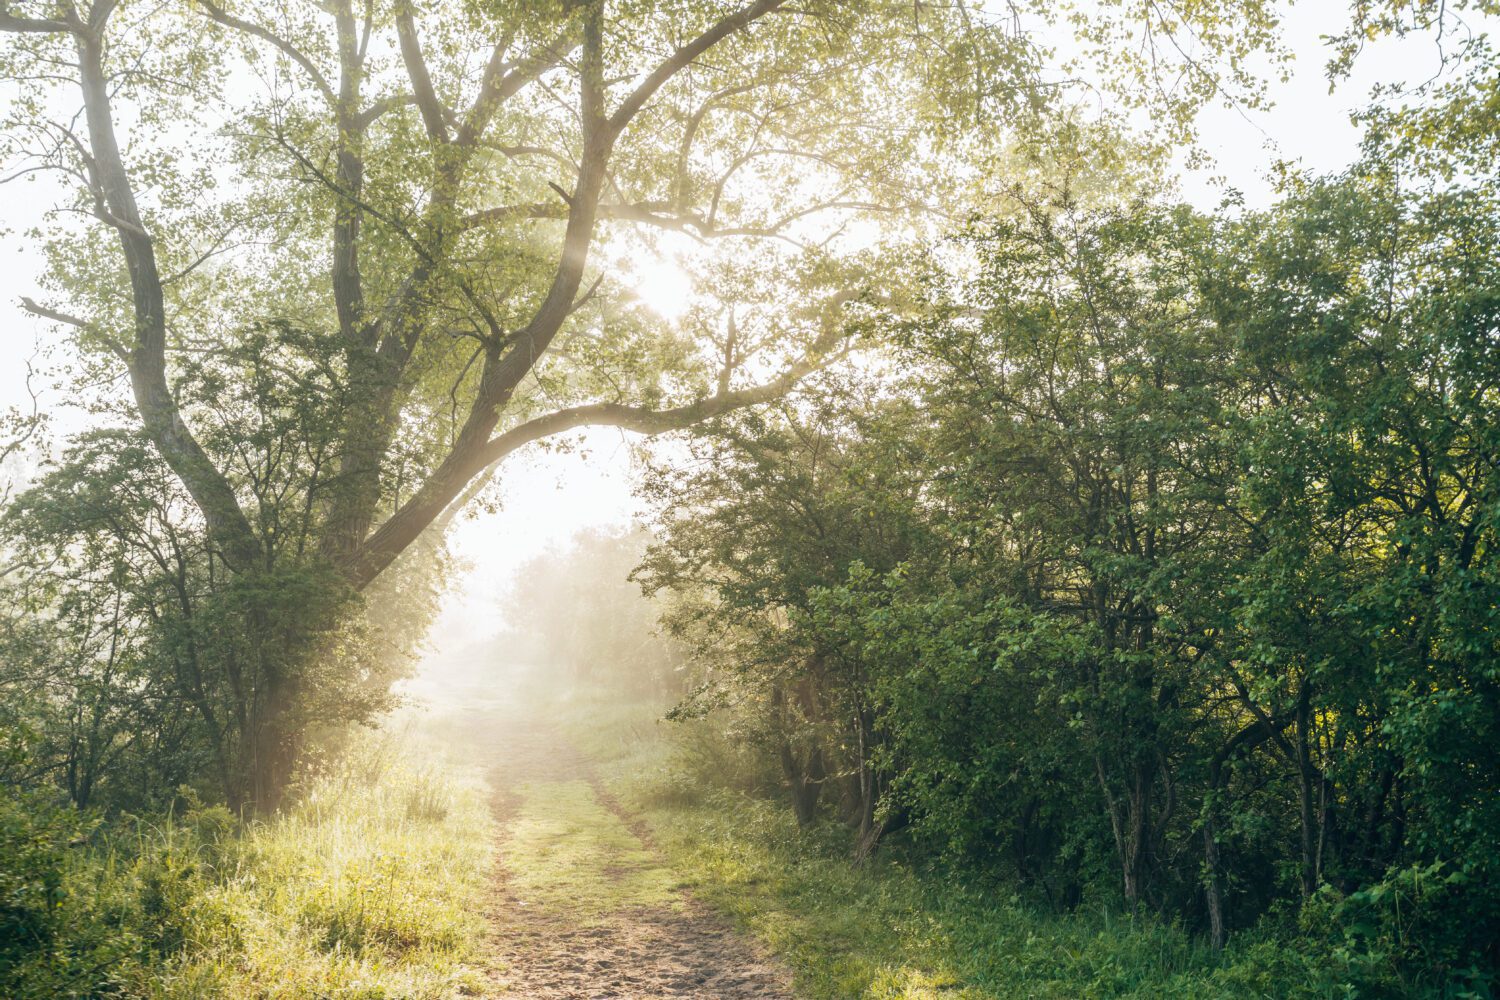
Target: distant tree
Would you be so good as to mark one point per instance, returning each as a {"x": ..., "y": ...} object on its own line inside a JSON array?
[{"x": 576, "y": 609}]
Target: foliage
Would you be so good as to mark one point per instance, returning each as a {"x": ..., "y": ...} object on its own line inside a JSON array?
[
  {"x": 1142, "y": 561},
  {"x": 143, "y": 664},
  {"x": 371, "y": 883},
  {"x": 55, "y": 942},
  {"x": 906, "y": 926},
  {"x": 1173, "y": 591}
]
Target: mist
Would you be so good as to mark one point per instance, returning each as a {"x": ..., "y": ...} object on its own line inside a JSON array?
[{"x": 749, "y": 499}]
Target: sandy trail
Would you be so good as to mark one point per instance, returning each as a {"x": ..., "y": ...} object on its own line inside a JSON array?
[{"x": 583, "y": 907}]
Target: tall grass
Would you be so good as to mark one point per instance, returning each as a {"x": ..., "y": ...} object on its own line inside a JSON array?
[{"x": 370, "y": 887}]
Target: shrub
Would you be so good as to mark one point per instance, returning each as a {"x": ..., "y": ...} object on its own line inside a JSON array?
[{"x": 362, "y": 881}]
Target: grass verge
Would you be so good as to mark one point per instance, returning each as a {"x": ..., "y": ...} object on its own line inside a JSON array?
[
  {"x": 369, "y": 888},
  {"x": 894, "y": 930}
]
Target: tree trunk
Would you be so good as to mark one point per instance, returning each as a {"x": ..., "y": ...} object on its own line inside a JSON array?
[
  {"x": 1137, "y": 834},
  {"x": 271, "y": 745},
  {"x": 870, "y": 829},
  {"x": 803, "y": 776},
  {"x": 1213, "y": 889},
  {"x": 806, "y": 781},
  {"x": 371, "y": 421},
  {"x": 1306, "y": 809}
]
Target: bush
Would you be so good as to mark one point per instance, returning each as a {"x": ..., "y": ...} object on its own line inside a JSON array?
[
  {"x": 87, "y": 909},
  {"x": 50, "y": 941},
  {"x": 1403, "y": 936}
]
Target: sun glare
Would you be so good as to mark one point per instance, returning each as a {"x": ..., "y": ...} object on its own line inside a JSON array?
[{"x": 662, "y": 283}]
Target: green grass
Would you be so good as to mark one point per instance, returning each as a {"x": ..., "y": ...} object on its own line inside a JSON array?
[
  {"x": 570, "y": 856},
  {"x": 370, "y": 888},
  {"x": 887, "y": 931},
  {"x": 373, "y": 886},
  {"x": 894, "y": 930}
]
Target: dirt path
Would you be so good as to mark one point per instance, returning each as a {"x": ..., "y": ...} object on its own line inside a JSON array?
[{"x": 583, "y": 905}]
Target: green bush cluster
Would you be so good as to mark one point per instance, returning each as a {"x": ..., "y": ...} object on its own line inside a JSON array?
[
  {"x": 91, "y": 909},
  {"x": 909, "y": 926},
  {"x": 1167, "y": 582}
]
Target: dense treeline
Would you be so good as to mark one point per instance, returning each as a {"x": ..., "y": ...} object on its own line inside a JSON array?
[{"x": 1168, "y": 575}]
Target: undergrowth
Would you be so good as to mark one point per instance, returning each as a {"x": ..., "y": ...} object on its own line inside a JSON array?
[
  {"x": 369, "y": 887},
  {"x": 905, "y": 928}
]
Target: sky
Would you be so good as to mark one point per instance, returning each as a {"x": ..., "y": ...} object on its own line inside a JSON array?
[{"x": 547, "y": 496}]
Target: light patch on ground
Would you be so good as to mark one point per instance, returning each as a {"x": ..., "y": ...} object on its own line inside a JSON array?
[{"x": 568, "y": 856}]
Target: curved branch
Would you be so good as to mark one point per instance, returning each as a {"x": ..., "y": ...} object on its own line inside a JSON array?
[
  {"x": 690, "y": 133},
  {"x": 68, "y": 319},
  {"x": 684, "y": 56},
  {"x": 471, "y": 460},
  {"x": 161, "y": 418},
  {"x": 216, "y": 13},
  {"x": 650, "y": 422},
  {"x": 370, "y": 115}
]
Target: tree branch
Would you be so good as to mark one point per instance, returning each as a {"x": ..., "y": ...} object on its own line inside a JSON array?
[
  {"x": 370, "y": 115},
  {"x": 35, "y": 25},
  {"x": 684, "y": 56},
  {"x": 216, "y": 13},
  {"x": 652, "y": 422},
  {"x": 163, "y": 421},
  {"x": 68, "y": 319},
  {"x": 463, "y": 464},
  {"x": 505, "y": 368},
  {"x": 421, "y": 81},
  {"x": 498, "y": 84}
]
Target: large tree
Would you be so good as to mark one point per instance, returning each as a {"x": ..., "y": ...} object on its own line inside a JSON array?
[
  {"x": 348, "y": 256},
  {"x": 427, "y": 190}
]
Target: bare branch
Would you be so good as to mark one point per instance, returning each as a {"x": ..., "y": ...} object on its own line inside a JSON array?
[
  {"x": 37, "y": 309},
  {"x": 68, "y": 319},
  {"x": 370, "y": 115},
  {"x": 35, "y": 25}
]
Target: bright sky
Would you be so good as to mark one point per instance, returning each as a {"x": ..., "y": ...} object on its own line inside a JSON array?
[{"x": 548, "y": 496}]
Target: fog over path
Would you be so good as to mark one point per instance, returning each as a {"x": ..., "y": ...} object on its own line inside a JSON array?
[{"x": 582, "y": 905}]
